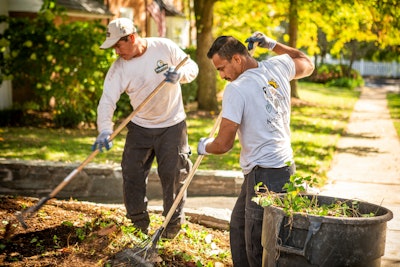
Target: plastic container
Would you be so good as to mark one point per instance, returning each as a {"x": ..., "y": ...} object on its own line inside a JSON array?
[{"x": 327, "y": 241}]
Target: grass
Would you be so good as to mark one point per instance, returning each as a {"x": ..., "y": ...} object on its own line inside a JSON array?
[
  {"x": 317, "y": 122},
  {"x": 394, "y": 109},
  {"x": 317, "y": 126}
]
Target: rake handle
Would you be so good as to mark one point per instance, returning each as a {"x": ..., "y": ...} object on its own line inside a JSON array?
[{"x": 189, "y": 178}]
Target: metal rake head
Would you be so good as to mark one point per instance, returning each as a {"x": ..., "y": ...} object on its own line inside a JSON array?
[
  {"x": 138, "y": 257},
  {"x": 143, "y": 255}
]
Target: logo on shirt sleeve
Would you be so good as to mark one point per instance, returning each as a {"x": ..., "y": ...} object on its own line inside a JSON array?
[{"x": 161, "y": 66}]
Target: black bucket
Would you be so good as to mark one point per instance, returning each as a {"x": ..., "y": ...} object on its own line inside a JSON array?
[{"x": 326, "y": 241}]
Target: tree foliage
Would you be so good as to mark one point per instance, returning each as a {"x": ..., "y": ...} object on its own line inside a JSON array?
[
  {"x": 344, "y": 29},
  {"x": 340, "y": 22}
]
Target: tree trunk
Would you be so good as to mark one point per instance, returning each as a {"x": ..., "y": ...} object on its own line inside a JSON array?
[
  {"x": 293, "y": 25},
  {"x": 354, "y": 49},
  {"x": 207, "y": 79}
]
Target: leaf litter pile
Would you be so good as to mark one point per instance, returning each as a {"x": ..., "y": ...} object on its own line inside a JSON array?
[{"x": 73, "y": 233}]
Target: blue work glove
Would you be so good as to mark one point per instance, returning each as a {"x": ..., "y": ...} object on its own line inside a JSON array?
[
  {"x": 102, "y": 141},
  {"x": 261, "y": 39},
  {"x": 201, "y": 147},
  {"x": 172, "y": 75}
]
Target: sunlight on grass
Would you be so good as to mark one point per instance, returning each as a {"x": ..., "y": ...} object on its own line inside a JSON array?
[
  {"x": 394, "y": 109},
  {"x": 54, "y": 155},
  {"x": 317, "y": 126},
  {"x": 317, "y": 123}
]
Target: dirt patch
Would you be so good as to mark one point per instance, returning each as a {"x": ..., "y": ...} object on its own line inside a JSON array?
[{"x": 72, "y": 233}]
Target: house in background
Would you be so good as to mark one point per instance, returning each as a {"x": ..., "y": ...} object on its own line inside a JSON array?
[{"x": 164, "y": 18}]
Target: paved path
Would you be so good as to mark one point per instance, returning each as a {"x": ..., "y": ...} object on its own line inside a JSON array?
[{"x": 367, "y": 163}]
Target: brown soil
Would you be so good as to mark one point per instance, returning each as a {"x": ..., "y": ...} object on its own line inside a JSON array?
[{"x": 71, "y": 233}]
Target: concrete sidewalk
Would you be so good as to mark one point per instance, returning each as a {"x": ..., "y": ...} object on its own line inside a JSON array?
[{"x": 367, "y": 163}]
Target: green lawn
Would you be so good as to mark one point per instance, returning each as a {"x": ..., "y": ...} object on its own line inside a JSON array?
[
  {"x": 317, "y": 127},
  {"x": 394, "y": 109},
  {"x": 317, "y": 123}
]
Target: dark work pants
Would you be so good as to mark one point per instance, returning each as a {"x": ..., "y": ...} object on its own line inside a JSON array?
[
  {"x": 170, "y": 148},
  {"x": 247, "y": 216}
]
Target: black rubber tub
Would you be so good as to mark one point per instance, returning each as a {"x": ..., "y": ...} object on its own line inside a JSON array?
[{"x": 327, "y": 241}]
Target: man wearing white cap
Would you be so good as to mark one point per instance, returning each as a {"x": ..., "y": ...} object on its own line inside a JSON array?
[{"x": 159, "y": 129}]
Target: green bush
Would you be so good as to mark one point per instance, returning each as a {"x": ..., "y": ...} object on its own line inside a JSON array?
[
  {"x": 62, "y": 62},
  {"x": 189, "y": 90},
  {"x": 124, "y": 108},
  {"x": 68, "y": 118},
  {"x": 336, "y": 75},
  {"x": 350, "y": 83}
]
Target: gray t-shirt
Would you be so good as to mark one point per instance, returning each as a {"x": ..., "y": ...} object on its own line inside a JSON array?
[{"x": 259, "y": 101}]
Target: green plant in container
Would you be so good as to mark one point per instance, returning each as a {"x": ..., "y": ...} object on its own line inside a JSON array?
[
  {"x": 296, "y": 199},
  {"x": 305, "y": 229}
]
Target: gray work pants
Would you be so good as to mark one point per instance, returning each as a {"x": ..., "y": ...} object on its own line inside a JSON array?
[
  {"x": 170, "y": 148},
  {"x": 247, "y": 216}
]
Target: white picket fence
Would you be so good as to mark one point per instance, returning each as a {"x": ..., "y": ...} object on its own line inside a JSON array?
[{"x": 369, "y": 68}]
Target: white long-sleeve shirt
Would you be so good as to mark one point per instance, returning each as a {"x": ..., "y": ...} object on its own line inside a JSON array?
[{"x": 138, "y": 77}]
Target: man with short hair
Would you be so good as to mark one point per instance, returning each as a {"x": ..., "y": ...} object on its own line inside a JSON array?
[
  {"x": 159, "y": 129},
  {"x": 256, "y": 106}
]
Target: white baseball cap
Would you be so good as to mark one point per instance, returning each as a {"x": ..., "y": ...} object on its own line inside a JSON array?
[{"x": 116, "y": 29}]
